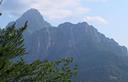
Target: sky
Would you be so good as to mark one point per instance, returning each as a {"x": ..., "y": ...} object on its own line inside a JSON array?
[{"x": 110, "y": 17}]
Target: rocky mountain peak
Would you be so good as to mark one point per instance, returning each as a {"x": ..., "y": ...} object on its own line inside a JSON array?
[
  {"x": 35, "y": 20},
  {"x": 32, "y": 11}
]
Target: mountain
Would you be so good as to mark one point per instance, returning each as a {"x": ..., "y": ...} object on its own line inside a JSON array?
[
  {"x": 99, "y": 58},
  {"x": 35, "y": 21}
]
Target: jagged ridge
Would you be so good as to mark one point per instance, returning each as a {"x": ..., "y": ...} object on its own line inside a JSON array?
[{"x": 96, "y": 55}]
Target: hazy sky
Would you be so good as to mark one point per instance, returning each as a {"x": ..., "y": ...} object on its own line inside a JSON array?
[{"x": 110, "y": 17}]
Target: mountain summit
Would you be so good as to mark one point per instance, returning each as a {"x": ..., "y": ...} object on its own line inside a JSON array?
[
  {"x": 99, "y": 58},
  {"x": 35, "y": 20}
]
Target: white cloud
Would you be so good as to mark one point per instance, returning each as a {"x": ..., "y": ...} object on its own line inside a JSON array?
[
  {"x": 96, "y": 20},
  {"x": 52, "y": 9},
  {"x": 59, "y": 9}
]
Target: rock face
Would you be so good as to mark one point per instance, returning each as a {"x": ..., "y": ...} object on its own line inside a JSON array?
[
  {"x": 35, "y": 20},
  {"x": 99, "y": 58}
]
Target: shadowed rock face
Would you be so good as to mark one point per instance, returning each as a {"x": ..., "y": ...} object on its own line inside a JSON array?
[{"x": 99, "y": 58}]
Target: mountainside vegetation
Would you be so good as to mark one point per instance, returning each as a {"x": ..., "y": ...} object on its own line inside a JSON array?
[{"x": 11, "y": 46}]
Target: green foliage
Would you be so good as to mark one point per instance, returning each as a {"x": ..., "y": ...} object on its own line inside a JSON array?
[
  {"x": 11, "y": 42},
  {"x": 11, "y": 46},
  {"x": 40, "y": 71}
]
